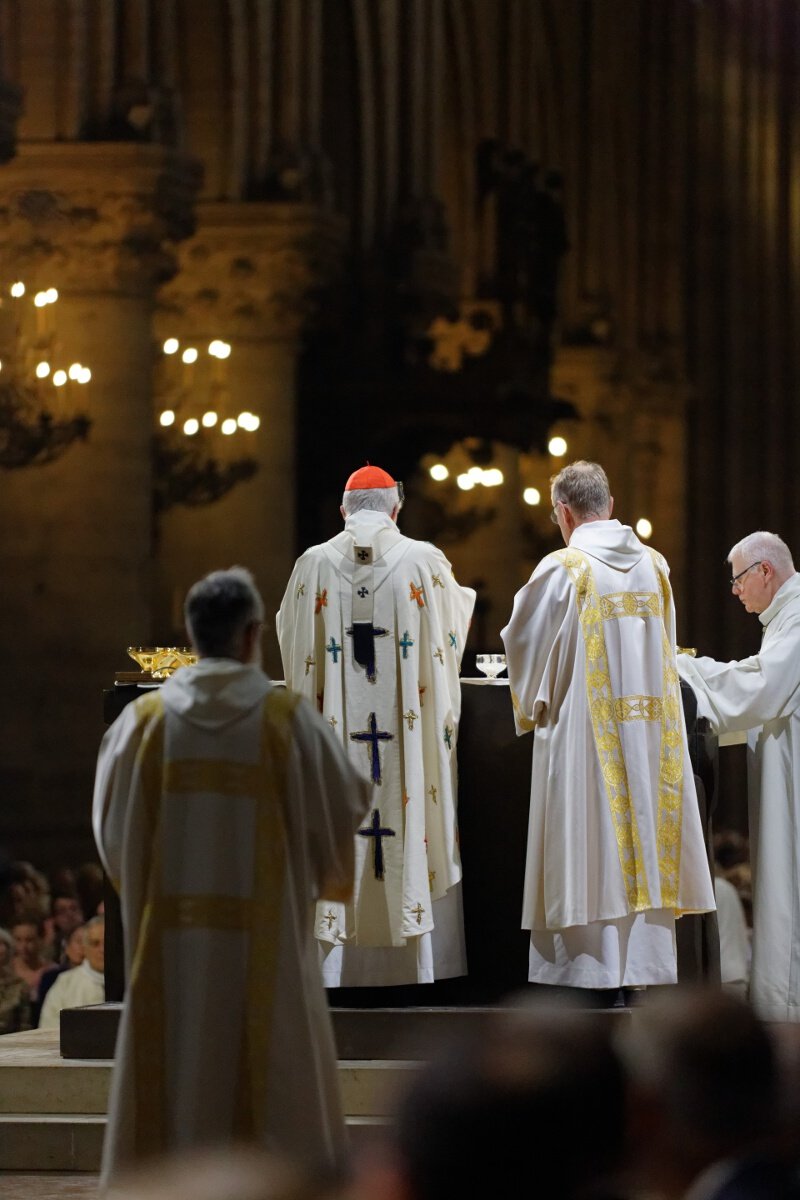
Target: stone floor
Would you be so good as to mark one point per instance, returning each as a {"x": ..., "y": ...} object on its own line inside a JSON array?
[{"x": 29, "y": 1185}]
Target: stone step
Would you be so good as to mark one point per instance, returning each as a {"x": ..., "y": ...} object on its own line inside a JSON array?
[
  {"x": 34, "y": 1078},
  {"x": 74, "y": 1142}
]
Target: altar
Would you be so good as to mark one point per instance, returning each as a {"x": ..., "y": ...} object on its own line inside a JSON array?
[{"x": 494, "y": 768}]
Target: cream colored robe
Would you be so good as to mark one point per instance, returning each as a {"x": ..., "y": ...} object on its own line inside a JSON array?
[
  {"x": 406, "y": 927},
  {"x": 615, "y": 844},
  {"x": 72, "y": 989},
  {"x": 222, "y": 806},
  {"x": 761, "y": 695}
]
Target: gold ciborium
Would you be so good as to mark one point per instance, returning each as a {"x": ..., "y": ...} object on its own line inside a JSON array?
[{"x": 162, "y": 661}]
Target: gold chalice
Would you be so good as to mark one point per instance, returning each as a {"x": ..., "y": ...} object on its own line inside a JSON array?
[
  {"x": 170, "y": 658},
  {"x": 162, "y": 661},
  {"x": 144, "y": 656}
]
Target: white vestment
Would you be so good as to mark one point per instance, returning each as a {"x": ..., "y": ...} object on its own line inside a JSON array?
[
  {"x": 222, "y": 807},
  {"x": 734, "y": 939},
  {"x": 372, "y": 629},
  {"x": 761, "y": 695},
  {"x": 615, "y": 844},
  {"x": 72, "y": 989}
]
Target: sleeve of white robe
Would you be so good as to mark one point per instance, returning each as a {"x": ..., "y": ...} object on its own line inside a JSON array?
[
  {"x": 742, "y": 695},
  {"x": 329, "y": 796},
  {"x": 540, "y": 642},
  {"x": 112, "y": 787}
]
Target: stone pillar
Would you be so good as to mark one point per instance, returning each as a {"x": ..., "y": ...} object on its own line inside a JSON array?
[
  {"x": 96, "y": 222},
  {"x": 248, "y": 278}
]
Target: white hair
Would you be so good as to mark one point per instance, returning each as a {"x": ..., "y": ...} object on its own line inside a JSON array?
[
  {"x": 372, "y": 499},
  {"x": 764, "y": 547}
]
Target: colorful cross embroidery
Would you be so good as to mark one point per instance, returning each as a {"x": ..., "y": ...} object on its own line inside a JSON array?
[
  {"x": 309, "y": 663},
  {"x": 431, "y": 877},
  {"x": 448, "y": 735},
  {"x": 301, "y": 591},
  {"x": 452, "y": 635},
  {"x": 330, "y": 917},
  {"x": 411, "y": 717},
  {"x": 432, "y": 793},
  {"x": 372, "y": 737},
  {"x": 438, "y": 653},
  {"x": 418, "y": 594},
  {"x": 417, "y": 912},
  {"x": 321, "y": 601},
  {"x": 406, "y": 642},
  {"x": 437, "y": 581},
  {"x": 375, "y": 831},
  {"x": 333, "y": 722},
  {"x": 334, "y": 649}
]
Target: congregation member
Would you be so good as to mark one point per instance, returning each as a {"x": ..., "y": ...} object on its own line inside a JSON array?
[
  {"x": 615, "y": 844},
  {"x": 224, "y": 807},
  {"x": 30, "y": 961},
  {"x": 81, "y": 985},
  {"x": 372, "y": 629},
  {"x": 531, "y": 1099},
  {"x": 73, "y": 956},
  {"x": 65, "y": 917},
  {"x": 761, "y": 695},
  {"x": 707, "y": 1118},
  {"x": 15, "y": 1001}
]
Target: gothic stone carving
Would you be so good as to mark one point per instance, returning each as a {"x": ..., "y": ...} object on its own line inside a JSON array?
[
  {"x": 253, "y": 270},
  {"x": 97, "y": 218}
]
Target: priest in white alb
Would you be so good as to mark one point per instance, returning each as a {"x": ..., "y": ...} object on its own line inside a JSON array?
[
  {"x": 761, "y": 695},
  {"x": 223, "y": 809},
  {"x": 615, "y": 844},
  {"x": 372, "y": 629}
]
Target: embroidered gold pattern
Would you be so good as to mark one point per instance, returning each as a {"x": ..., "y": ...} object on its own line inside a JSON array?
[
  {"x": 638, "y": 708},
  {"x": 608, "y": 712},
  {"x": 606, "y": 732},
  {"x": 630, "y": 604},
  {"x": 670, "y": 796}
]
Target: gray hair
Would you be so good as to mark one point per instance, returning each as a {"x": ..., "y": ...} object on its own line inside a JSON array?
[
  {"x": 219, "y": 608},
  {"x": 371, "y": 499},
  {"x": 584, "y": 487},
  {"x": 764, "y": 547}
]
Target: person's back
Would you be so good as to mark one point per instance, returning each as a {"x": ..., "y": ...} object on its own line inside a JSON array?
[
  {"x": 372, "y": 628},
  {"x": 615, "y": 845},
  {"x": 224, "y": 806}
]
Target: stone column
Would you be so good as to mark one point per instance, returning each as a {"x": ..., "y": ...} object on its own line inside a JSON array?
[
  {"x": 96, "y": 222},
  {"x": 248, "y": 277}
]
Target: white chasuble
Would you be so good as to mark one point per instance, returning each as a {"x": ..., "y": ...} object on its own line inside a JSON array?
[
  {"x": 372, "y": 629},
  {"x": 761, "y": 695},
  {"x": 222, "y": 810},
  {"x": 615, "y": 843}
]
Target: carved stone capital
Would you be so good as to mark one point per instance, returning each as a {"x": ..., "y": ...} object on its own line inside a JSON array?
[
  {"x": 252, "y": 270},
  {"x": 96, "y": 217}
]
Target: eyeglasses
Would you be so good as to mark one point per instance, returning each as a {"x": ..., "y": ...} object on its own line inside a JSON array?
[{"x": 735, "y": 579}]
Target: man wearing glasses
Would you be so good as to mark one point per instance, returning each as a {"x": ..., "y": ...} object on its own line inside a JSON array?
[
  {"x": 615, "y": 845},
  {"x": 761, "y": 695},
  {"x": 372, "y": 629}
]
